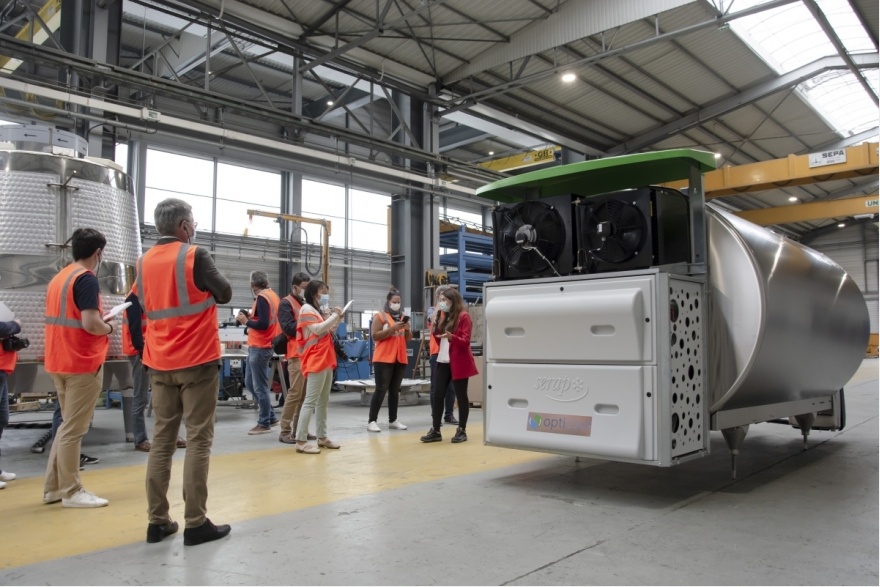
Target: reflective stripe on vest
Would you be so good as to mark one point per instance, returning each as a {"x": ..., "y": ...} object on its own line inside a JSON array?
[
  {"x": 393, "y": 348},
  {"x": 70, "y": 348},
  {"x": 292, "y": 346},
  {"x": 183, "y": 328},
  {"x": 262, "y": 339},
  {"x": 316, "y": 352}
]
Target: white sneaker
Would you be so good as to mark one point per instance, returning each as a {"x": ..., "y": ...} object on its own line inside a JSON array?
[
  {"x": 2, "y": 484},
  {"x": 83, "y": 499},
  {"x": 6, "y": 476},
  {"x": 373, "y": 427},
  {"x": 397, "y": 425},
  {"x": 51, "y": 497}
]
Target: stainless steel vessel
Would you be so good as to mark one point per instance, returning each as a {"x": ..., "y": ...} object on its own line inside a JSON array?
[
  {"x": 787, "y": 323},
  {"x": 43, "y": 199}
]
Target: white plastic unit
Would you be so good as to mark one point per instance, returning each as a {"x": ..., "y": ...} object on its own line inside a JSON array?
[{"x": 606, "y": 366}]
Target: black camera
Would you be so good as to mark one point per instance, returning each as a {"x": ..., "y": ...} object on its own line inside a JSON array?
[{"x": 14, "y": 344}]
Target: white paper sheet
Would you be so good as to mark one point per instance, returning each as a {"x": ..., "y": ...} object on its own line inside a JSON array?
[{"x": 116, "y": 311}]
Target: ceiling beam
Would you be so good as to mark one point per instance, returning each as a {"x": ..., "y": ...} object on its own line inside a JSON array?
[
  {"x": 747, "y": 96},
  {"x": 573, "y": 21},
  {"x": 816, "y": 233},
  {"x": 843, "y": 208},
  {"x": 461, "y": 136}
]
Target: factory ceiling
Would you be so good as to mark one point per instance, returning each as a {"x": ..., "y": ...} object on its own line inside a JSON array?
[{"x": 447, "y": 88}]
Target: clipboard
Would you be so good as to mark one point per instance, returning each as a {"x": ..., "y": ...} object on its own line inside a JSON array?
[
  {"x": 115, "y": 311},
  {"x": 347, "y": 306}
]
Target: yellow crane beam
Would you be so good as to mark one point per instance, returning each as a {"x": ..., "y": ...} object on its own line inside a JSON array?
[
  {"x": 50, "y": 13},
  {"x": 812, "y": 211},
  {"x": 325, "y": 240},
  {"x": 794, "y": 170},
  {"x": 520, "y": 160}
]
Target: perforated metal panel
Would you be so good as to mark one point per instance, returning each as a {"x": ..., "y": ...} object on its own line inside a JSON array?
[
  {"x": 111, "y": 211},
  {"x": 27, "y": 233},
  {"x": 687, "y": 397}
]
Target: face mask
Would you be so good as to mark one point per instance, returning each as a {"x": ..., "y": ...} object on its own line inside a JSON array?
[
  {"x": 394, "y": 307},
  {"x": 443, "y": 306},
  {"x": 325, "y": 300},
  {"x": 192, "y": 239}
]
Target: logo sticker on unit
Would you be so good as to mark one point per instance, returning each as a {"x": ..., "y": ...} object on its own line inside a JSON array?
[
  {"x": 559, "y": 424},
  {"x": 562, "y": 389}
]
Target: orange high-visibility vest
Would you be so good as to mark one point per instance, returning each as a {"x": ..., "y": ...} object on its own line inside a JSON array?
[
  {"x": 8, "y": 359},
  {"x": 70, "y": 348},
  {"x": 433, "y": 346},
  {"x": 292, "y": 345},
  {"x": 262, "y": 339},
  {"x": 127, "y": 348},
  {"x": 393, "y": 348},
  {"x": 316, "y": 353},
  {"x": 183, "y": 329}
]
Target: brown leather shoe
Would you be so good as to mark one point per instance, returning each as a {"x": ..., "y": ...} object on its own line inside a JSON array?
[
  {"x": 181, "y": 443},
  {"x": 145, "y": 446}
]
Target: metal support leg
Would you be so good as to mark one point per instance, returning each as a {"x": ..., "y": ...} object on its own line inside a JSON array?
[
  {"x": 805, "y": 422},
  {"x": 734, "y": 438}
]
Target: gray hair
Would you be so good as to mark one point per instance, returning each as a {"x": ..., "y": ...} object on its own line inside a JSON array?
[
  {"x": 260, "y": 279},
  {"x": 169, "y": 214}
]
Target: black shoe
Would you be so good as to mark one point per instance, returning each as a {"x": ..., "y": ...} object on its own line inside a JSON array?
[
  {"x": 460, "y": 435},
  {"x": 87, "y": 460},
  {"x": 432, "y": 436},
  {"x": 450, "y": 419},
  {"x": 159, "y": 532},
  {"x": 205, "y": 533},
  {"x": 40, "y": 445}
]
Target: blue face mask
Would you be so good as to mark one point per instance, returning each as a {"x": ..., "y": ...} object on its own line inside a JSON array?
[
  {"x": 325, "y": 300},
  {"x": 443, "y": 306}
]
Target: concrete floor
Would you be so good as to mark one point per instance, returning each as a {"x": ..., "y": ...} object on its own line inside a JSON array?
[{"x": 387, "y": 510}]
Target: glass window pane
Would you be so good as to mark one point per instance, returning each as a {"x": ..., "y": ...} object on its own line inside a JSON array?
[
  {"x": 314, "y": 233},
  {"x": 121, "y": 156},
  {"x": 180, "y": 173},
  {"x": 323, "y": 199},
  {"x": 369, "y": 236},
  {"x": 200, "y": 204},
  {"x": 232, "y": 218},
  {"x": 241, "y": 184},
  {"x": 369, "y": 206}
]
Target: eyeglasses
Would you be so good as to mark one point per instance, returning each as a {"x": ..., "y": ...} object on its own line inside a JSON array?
[{"x": 193, "y": 223}]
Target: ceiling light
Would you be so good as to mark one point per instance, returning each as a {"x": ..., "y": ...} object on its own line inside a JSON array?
[
  {"x": 491, "y": 152},
  {"x": 718, "y": 155},
  {"x": 792, "y": 199},
  {"x": 568, "y": 77},
  {"x": 329, "y": 102},
  {"x": 841, "y": 225}
]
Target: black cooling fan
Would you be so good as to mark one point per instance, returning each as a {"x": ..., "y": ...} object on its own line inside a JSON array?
[
  {"x": 530, "y": 236},
  {"x": 615, "y": 230}
]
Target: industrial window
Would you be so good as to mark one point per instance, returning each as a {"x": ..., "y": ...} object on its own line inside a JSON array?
[
  {"x": 326, "y": 201},
  {"x": 368, "y": 224},
  {"x": 190, "y": 179},
  {"x": 240, "y": 189}
]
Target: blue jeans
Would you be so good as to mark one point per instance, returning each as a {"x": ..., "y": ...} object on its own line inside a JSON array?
[
  {"x": 450, "y": 390},
  {"x": 141, "y": 382},
  {"x": 257, "y": 381}
]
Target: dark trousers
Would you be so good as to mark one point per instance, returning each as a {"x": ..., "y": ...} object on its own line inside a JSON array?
[
  {"x": 450, "y": 391},
  {"x": 388, "y": 378},
  {"x": 441, "y": 377}
]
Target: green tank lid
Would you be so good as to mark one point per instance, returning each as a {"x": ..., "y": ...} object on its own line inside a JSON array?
[{"x": 600, "y": 176}]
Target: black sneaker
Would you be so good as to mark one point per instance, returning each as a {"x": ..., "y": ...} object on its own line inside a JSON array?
[
  {"x": 87, "y": 460},
  {"x": 204, "y": 533},
  {"x": 159, "y": 532},
  {"x": 460, "y": 435},
  {"x": 450, "y": 419},
  {"x": 432, "y": 436},
  {"x": 40, "y": 445}
]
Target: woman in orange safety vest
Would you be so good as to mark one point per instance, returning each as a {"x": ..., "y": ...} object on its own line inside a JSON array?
[
  {"x": 391, "y": 332},
  {"x": 317, "y": 357}
]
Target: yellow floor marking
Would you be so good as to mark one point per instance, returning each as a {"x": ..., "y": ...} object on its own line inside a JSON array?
[{"x": 242, "y": 486}]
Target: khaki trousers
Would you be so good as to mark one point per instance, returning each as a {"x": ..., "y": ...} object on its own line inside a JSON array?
[
  {"x": 190, "y": 394},
  {"x": 77, "y": 395},
  {"x": 295, "y": 395}
]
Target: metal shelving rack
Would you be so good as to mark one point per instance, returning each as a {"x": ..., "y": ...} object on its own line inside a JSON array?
[{"x": 470, "y": 264}]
